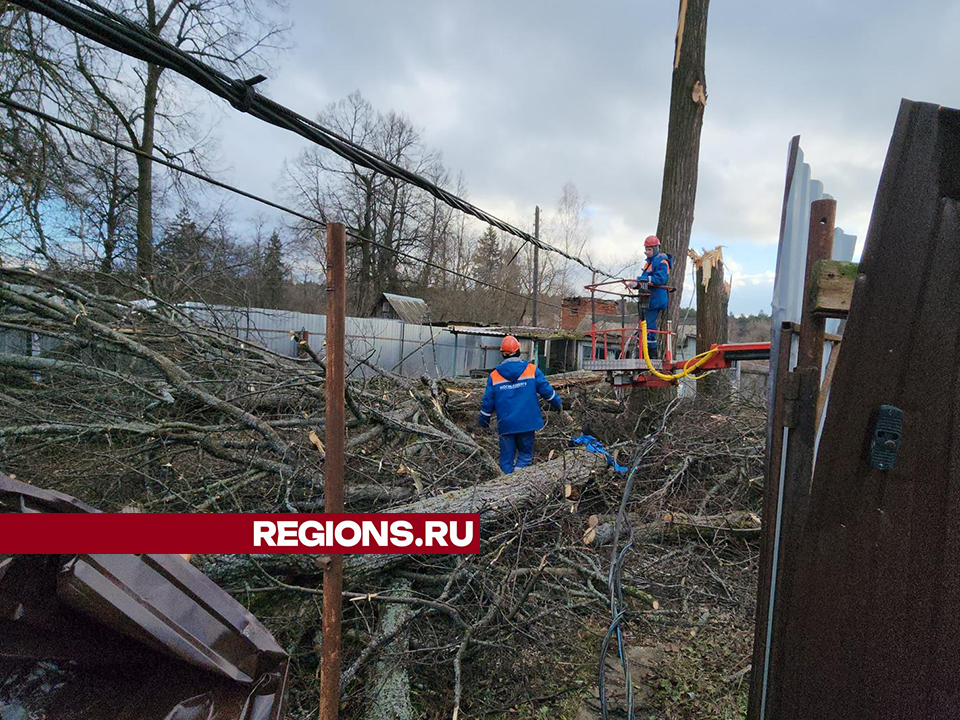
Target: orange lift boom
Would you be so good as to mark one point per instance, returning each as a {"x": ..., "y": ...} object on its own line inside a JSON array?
[{"x": 620, "y": 351}]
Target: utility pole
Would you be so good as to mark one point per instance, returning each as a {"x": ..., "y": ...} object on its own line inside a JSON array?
[
  {"x": 334, "y": 431},
  {"x": 536, "y": 263},
  {"x": 593, "y": 300}
]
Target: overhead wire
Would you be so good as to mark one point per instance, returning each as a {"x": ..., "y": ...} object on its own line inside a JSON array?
[
  {"x": 353, "y": 233},
  {"x": 123, "y": 35}
]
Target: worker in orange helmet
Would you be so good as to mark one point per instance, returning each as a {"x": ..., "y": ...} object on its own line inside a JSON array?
[
  {"x": 511, "y": 393},
  {"x": 655, "y": 276}
]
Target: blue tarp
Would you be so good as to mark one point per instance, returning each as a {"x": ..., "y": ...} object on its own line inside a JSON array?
[{"x": 595, "y": 446}]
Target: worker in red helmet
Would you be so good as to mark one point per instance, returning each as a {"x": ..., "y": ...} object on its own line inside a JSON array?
[
  {"x": 511, "y": 393},
  {"x": 655, "y": 276}
]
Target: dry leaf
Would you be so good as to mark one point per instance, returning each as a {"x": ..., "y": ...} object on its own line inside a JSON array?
[{"x": 314, "y": 438}]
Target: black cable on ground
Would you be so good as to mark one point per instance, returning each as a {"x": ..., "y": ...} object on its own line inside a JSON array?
[
  {"x": 614, "y": 578},
  {"x": 121, "y": 34}
]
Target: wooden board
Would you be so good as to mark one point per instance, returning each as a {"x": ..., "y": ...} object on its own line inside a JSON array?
[{"x": 831, "y": 285}]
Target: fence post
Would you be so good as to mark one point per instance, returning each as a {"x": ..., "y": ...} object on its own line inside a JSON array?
[
  {"x": 333, "y": 466},
  {"x": 803, "y": 389}
]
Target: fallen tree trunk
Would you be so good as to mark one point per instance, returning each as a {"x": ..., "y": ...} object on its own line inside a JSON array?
[
  {"x": 740, "y": 523},
  {"x": 388, "y": 691},
  {"x": 493, "y": 500}
]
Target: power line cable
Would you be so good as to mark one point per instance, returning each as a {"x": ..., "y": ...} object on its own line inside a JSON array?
[
  {"x": 121, "y": 34},
  {"x": 244, "y": 193},
  {"x": 614, "y": 578}
]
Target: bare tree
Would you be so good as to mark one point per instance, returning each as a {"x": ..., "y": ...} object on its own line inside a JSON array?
[
  {"x": 105, "y": 197},
  {"x": 35, "y": 167},
  {"x": 230, "y": 34},
  {"x": 390, "y": 216},
  {"x": 567, "y": 228}
]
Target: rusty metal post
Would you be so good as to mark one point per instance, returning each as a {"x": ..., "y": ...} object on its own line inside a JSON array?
[
  {"x": 802, "y": 391},
  {"x": 304, "y": 343},
  {"x": 770, "y": 514},
  {"x": 334, "y": 431}
]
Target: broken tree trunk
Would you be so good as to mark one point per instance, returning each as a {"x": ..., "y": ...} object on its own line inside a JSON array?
[
  {"x": 737, "y": 523},
  {"x": 688, "y": 98},
  {"x": 493, "y": 499},
  {"x": 713, "y": 297}
]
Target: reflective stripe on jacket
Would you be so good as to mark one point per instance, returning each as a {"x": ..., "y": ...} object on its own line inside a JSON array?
[{"x": 511, "y": 394}]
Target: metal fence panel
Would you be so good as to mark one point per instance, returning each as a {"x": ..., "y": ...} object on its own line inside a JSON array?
[{"x": 411, "y": 350}]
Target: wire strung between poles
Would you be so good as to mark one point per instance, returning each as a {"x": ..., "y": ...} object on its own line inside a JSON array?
[
  {"x": 351, "y": 232},
  {"x": 121, "y": 34}
]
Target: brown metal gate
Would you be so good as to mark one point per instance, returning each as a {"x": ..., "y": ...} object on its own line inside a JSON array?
[{"x": 868, "y": 611}]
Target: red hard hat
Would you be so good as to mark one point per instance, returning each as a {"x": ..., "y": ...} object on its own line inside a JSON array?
[
  {"x": 509, "y": 345},
  {"x": 651, "y": 241}
]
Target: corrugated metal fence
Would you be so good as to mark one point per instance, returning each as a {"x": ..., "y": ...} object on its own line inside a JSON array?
[{"x": 411, "y": 350}]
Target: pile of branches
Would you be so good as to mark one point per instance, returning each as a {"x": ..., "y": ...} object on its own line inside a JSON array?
[
  {"x": 124, "y": 400},
  {"x": 131, "y": 401}
]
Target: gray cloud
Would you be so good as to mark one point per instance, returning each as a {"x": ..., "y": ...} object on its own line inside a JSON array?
[{"x": 523, "y": 97}]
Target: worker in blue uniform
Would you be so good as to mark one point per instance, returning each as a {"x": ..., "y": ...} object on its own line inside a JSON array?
[
  {"x": 511, "y": 393},
  {"x": 656, "y": 272}
]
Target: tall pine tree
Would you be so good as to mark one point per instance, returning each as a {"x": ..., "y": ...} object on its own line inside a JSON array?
[
  {"x": 487, "y": 258},
  {"x": 273, "y": 273}
]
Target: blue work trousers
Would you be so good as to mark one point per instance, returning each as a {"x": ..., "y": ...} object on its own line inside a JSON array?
[
  {"x": 516, "y": 450},
  {"x": 651, "y": 317}
]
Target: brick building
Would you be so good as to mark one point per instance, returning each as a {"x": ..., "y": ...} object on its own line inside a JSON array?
[{"x": 576, "y": 312}]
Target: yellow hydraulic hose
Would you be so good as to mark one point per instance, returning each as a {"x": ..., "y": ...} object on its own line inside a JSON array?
[{"x": 687, "y": 368}]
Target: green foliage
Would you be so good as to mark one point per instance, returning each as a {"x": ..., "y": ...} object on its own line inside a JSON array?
[
  {"x": 488, "y": 257},
  {"x": 749, "y": 328},
  {"x": 273, "y": 272}
]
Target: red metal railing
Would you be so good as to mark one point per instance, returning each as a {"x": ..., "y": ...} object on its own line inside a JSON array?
[{"x": 620, "y": 337}]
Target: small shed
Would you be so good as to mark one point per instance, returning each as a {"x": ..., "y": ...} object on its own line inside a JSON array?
[{"x": 411, "y": 310}]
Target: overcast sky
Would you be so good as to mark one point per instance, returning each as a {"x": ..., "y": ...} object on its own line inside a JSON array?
[{"x": 522, "y": 97}]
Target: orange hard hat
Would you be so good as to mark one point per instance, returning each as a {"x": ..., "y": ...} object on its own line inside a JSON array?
[
  {"x": 651, "y": 241},
  {"x": 509, "y": 345}
]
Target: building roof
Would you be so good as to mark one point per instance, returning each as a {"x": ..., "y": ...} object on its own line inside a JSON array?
[
  {"x": 605, "y": 322},
  {"x": 521, "y": 332},
  {"x": 414, "y": 311}
]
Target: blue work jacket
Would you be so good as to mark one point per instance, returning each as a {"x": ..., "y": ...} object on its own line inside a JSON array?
[
  {"x": 511, "y": 393},
  {"x": 657, "y": 272}
]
